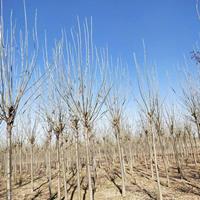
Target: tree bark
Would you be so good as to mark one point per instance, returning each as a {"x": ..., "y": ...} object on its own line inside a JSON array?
[
  {"x": 88, "y": 165},
  {"x": 27, "y": 161},
  {"x": 9, "y": 162},
  {"x": 192, "y": 149},
  {"x": 15, "y": 164},
  {"x": 164, "y": 158},
  {"x": 121, "y": 164},
  {"x": 58, "y": 165},
  {"x": 131, "y": 156},
  {"x": 64, "y": 170},
  {"x": 78, "y": 167},
  {"x": 32, "y": 182},
  {"x": 156, "y": 163},
  {"x": 20, "y": 162},
  {"x": 150, "y": 155},
  {"x": 177, "y": 159},
  {"x": 49, "y": 168}
]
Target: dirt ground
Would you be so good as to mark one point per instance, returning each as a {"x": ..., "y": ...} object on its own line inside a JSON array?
[{"x": 139, "y": 185}]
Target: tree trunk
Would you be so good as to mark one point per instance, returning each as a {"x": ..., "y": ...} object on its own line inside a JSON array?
[
  {"x": 15, "y": 164},
  {"x": 150, "y": 155},
  {"x": 9, "y": 162},
  {"x": 88, "y": 165},
  {"x": 64, "y": 170},
  {"x": 156, "y": 164},
  {"x": 27, "y": 161},
  {"x": 20, "y": 162},
  {"x": 178, "y": 164},
  {"x": 192, "y": 149},
  {"x": 32, "y": 183},
  {"x": 121, "y": 164},
  {"x": 49, "y": 168},
  {"x": 58, "y": 165},
  {"x": 5, "y": 163},
  {"x": 196, "y": 147},
  {"x": 78, "y": 167},
  {"x": 164, "y": 158},
  {"x": 198, "y": 127},
  {"x": 131, "y": 157}
]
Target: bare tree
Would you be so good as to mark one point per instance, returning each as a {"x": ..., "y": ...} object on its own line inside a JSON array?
[
  {"x": 149, "y": 96},
  {"x": 49, "y": 138},
  {"x": 20, "y": 142},
  {"x": 55, "y": 114},
  {"x": 172, "y": 126},
  {"x": 84, "y": 92},
  {"x": 116, "y": 105},
  {"x": 75, "y": 129},
  {"x": 191, "y": 100},
  {"x": 58, "y": 127},
  {"x": 17, "y": 65},
  {"x": 31, "y": 134},
  {"x": 159, "y": 127},
  {"x": 144, "y": 125}
]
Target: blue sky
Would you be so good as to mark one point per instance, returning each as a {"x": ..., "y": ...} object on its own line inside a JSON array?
[{"x": 170, "y": 28}]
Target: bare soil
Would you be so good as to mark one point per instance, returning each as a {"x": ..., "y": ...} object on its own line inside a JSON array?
[{"x": 139, "y": 185}]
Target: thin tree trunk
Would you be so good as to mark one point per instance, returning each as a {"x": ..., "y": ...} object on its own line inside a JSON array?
[
  {"x": 123, "y": 161},
  {"x": 196, "y": 147},
  {"x": 27, "y": 161},
  {"x": 15, "y": 164},
  {"x": 105, "y": 154},
  {"x": 49, "y": 168},
  {"x": 150, "y": 155},
  {"x": 100, "y": 156},
  {"x": 178, "y": 164},
  {"x": 78, "y": 167},
  {"x": 20, "y": 162},
  {"x": 32, "y": 182},
  {"x": 164, "y": 158},
  {"x": 121, "y": 165},
  {"x": 131, "y": 157},
  {"x": 9, "y": 162},
  {"x": 192, "y": 148},
  {"x": 156, "y": 166},
  {"x": 88, "y": 166},
  {"x": 64, "y": 170},
  {"x": 5, "y": 155},
  {"x": 58, "y": 166},
  {"x": 198, "y": 127}
]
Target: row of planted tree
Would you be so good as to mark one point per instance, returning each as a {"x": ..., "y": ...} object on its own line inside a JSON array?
[
  {"x": 66, "y": 111},
  {"x": 176, "y": 147}
]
